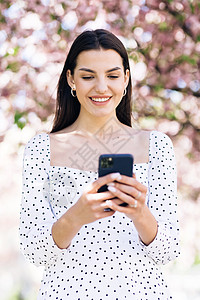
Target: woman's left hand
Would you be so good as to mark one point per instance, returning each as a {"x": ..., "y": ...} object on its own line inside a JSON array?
[{"x": 130, "y": 191}]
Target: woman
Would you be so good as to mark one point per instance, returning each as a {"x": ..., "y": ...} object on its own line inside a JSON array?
[{"x": 88, "y": 251}]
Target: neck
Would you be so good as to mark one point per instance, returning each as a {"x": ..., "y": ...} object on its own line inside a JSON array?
[{"x": 97, "y": 126}]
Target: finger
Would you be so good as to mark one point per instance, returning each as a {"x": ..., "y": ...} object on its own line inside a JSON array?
[
  {"x": 100, "y": 196},
  {"x": 133, "y": 182},
  {"x": 134, "y": 176},
  {"x": 117, "y": 201},
  {"x": 94, "y": 186},
  {"x": 105, "y": 212},
  {"x": 124, "y": 209},
  {"x": 122, "y": 196},
  {"x": 139, "y": 195},
  {"x": 106, "y": 208},
  {"x": 104, "y": 203},
  {"x": 130, "y": 190}
]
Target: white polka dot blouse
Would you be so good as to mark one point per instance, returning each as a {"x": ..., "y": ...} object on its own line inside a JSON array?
[{"x": 106, "y": 259}]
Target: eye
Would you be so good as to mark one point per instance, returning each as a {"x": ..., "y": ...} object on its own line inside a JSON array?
[
  {"x": 113, "y": 76},
  {"x": 87, "y": 77}
]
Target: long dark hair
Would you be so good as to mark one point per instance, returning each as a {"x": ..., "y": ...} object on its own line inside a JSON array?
[{"x": 68, "y": 107}]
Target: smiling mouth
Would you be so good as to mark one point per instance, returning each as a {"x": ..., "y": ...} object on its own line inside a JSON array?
[{"x": 100, "y": 99}]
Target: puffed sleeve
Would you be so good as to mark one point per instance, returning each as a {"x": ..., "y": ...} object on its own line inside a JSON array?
[
  {"x": 162, "y": 199},
  {"x": 36, "y": 216}
]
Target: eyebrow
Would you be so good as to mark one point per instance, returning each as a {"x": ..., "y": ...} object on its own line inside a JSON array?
[{"x": 91, "y": 71}]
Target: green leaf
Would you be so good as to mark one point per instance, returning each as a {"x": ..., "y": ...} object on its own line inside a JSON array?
[
  {"x": 18, "y": 115},
  {"x": 163, "y": 26},
  {"x": 16, "y": 295},
  {"x": 186, "y": 58},
  {"x": 170, "y": 115},
  {"x": 198, "y": 38},
  {"x": 180, "y": 17},
  {"x": 8, "y": 3},
  {"x": 19, "y": 119},
  {"x": 133, "y": 28},
  {"x": 119, "y": 21},
  {"x": 53, "y": 17},
  {"x": 64, "y": 5},
  {"x": 134, "y": 57},
  {"x": 16, "y": 50},
  {"x": 190, "y": 155},
  {"x": 59, "y": 30},
  {"x": 157, "y": 88},
  {"x": 197, "y": 259},
  {"x": 146, "y": 50},
  {"x": 192, "y": 8},
  {"x": 2, "y": 19},
  {"x": 14, "y": 66}
]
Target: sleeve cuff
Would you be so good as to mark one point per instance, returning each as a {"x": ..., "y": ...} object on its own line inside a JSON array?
[
  {"x": 157, "y": 243},
  {"x": 56, "y": 250},
  {"x": 162, "y": 249}
]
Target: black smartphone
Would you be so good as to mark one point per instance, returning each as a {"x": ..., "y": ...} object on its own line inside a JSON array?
[{"x": 112, "y": 163}]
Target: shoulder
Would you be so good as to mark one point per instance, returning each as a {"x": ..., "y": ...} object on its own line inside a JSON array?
[
  {"x": 161, "y": 148},
  {"x": 37, "y": 146},
  {"x": 145, "y": 137},
  {"x": 36, "y": 154},
  {"x": 138, "y": 144},
  {"x": 151, "y": 144},
  {"x": 38, "y": 139},
  {"x": 140, "y": 137},
  {"x": 135, "y": 132},
  {"x": 160, "y": 139}
]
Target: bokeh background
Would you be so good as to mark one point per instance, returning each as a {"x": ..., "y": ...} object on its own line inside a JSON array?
[{"x": 163, "y": 42}]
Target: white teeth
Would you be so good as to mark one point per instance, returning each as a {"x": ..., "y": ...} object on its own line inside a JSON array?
[{"x": 100, "y": 99}]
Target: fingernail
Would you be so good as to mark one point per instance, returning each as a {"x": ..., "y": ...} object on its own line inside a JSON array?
[
  {"x": 115, "y": 175},
  {"x": 111, "y": 189},
  {"x": 111, "y": 183},
  {"x": 109, "y": 203}
]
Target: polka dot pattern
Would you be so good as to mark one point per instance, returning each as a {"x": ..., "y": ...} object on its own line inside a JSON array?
[{"x": 106, "y": 259}]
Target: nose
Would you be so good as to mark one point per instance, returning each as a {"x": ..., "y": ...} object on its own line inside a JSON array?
[{"x": 101, "y": 85}]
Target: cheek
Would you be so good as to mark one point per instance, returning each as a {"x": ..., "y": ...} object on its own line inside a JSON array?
[
  {"x": 83, "y": 86},
  {"x": 82, "y": 91},
  {"x": 119, "y": 89},
  {"x": 118, "y": 86}
]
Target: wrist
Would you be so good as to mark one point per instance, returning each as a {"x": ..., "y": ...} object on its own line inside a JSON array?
[
  {"x": 64, "y": 229},
  {"x": 140, "y": 215},
  {"x": 146, "y": 225},
  {"x": 71, "y": 219}
]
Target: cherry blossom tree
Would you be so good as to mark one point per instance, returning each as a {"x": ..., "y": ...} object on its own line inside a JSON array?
[{"x": 163, "y": 42}]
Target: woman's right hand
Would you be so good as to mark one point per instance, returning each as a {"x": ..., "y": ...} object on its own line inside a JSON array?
[
  {"x": 92, "y": 204},
  {"x": 89, "y": 208}
]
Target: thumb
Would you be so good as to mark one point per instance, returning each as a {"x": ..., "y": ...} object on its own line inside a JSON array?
[{"x": 134, "y": 176}]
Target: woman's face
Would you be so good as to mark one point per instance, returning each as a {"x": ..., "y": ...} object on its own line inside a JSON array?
[{"x": 99, "y": 80}]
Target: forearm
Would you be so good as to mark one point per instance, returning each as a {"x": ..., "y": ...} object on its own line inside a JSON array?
[
  {"x": 65, "y": 229},
  {"x": 146, "y": 226},
  {"x": 159, "y": 239}
]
